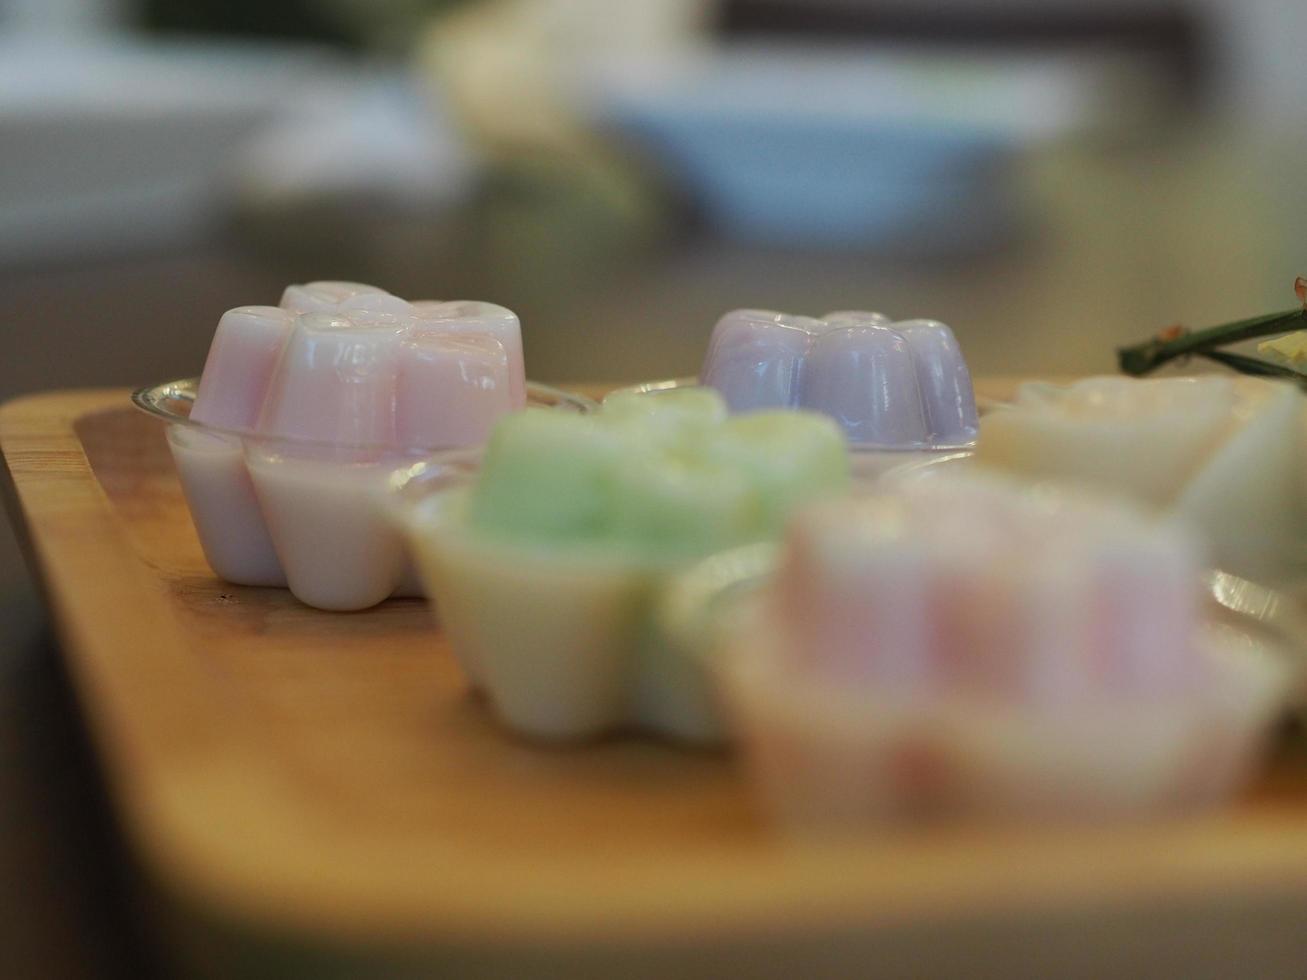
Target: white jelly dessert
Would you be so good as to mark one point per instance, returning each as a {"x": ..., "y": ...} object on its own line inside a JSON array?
[
  {"x": 1227, "y": 454},
  {"x": 960, "y": 644},
  {"x": 891, "y": 385},
  {"x": 546, "y": 568},
  {"x": 303, "y": 411}
]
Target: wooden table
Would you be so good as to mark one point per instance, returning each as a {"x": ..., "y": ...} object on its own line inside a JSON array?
[{"x": 316, "y": 794}]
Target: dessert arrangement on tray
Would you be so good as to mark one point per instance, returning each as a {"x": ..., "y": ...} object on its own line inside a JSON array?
[{"x": 1008, "y": 613}]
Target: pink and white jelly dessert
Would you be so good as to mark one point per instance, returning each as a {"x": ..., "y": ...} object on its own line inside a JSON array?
[
  {"x": 346, "y": 364},
  {"x": 305, "y": 409},
  {"x": 964, "y": 645},
  {"x": 893, "y": 385}
]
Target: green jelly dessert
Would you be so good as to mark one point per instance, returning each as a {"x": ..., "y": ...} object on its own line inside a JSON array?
[
  {"x": 664, "y": 475},
  {"x": 546, "y": 567}
]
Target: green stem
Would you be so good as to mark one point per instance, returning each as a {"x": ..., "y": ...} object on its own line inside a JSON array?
[
  {"x": 1253, "y": 365},
  {"x": 1152, "y": 354}
]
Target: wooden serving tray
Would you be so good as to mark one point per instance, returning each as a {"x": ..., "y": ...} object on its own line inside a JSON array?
[{"x": 316, "y": 794}]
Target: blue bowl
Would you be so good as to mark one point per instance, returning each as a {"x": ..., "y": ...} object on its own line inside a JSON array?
[{"x": 801, "y": 148}]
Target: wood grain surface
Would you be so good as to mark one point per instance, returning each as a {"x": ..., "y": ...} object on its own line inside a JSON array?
[{"x": 326, "y": 777}]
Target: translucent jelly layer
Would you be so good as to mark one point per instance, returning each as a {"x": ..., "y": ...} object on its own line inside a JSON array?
[
  {"x": 346, "y": 364},
  {"x": 894, "y": 385}
]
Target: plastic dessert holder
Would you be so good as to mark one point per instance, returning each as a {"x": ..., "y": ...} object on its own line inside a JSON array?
[
  {"x": 310, "y": 515},
  {"x": 563, "y": 641}
]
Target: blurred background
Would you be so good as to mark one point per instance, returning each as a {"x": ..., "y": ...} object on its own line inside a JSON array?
[{"x": 1050, "y": 177}]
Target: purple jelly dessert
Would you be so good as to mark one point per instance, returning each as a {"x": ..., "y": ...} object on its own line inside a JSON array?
[{"x": 890, "y": 385}]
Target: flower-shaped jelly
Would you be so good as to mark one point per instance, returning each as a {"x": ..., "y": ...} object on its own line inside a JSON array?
[
  {"x": 890, "y": 385},
  {"x": 303, "y": 411}
]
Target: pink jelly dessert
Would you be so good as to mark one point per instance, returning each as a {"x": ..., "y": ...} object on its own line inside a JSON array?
[
  {"x": 964, "y": 645},
  {"x": 305, "y": 410},
  {"x": 347, "y": 364},
  {"x": 890, "y": 385}
]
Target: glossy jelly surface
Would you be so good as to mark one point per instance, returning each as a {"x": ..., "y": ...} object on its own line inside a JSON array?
[
  {"x": 350, "y": 365},
  {"x": 894, "y": 385}
]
